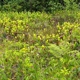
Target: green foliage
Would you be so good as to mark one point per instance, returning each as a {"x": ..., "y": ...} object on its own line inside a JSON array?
[
  {"x": 66, "y": 59},
  {"x": 39, "y": 5},
  {"x": 40, "y": 46},
  {"x": 17, "y": 63},
  {"x": 71, "y": 5}
]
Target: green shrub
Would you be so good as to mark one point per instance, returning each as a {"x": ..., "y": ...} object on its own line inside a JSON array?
[{"x": 32, "y": 47}]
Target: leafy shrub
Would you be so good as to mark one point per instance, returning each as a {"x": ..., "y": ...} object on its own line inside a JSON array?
[
  {"x": 34, "y": 48},
  {"x": 66, "y": 60},
  {"x": 17, "y": 63}
]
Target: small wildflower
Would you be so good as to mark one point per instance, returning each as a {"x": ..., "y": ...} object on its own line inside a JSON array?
[
  {"x": 23, "y": 50},
  {"x": 47, "y": 41},
  {"x": 53, "y": 35},
  {"x": 39, "y": 37},
  {"x": 43, "y": 46},
  {"x": 34, "y": 35}
]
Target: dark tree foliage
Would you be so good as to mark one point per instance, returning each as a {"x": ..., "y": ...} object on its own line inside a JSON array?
[
  {"x": 1, "y": 2},
  {"x": 33, "y": 5}
]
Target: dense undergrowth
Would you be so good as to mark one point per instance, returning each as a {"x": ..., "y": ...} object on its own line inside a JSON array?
[{"x": 40, "y": 46}]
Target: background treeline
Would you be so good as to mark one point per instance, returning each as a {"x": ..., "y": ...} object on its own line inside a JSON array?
[{"x": 38, "y": 5}]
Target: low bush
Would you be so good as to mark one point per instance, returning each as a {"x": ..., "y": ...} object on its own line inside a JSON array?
[{"x": 36, "y": 46}]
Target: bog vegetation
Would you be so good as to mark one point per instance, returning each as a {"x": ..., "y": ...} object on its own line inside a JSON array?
[{"x": 39, "y": 45}]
